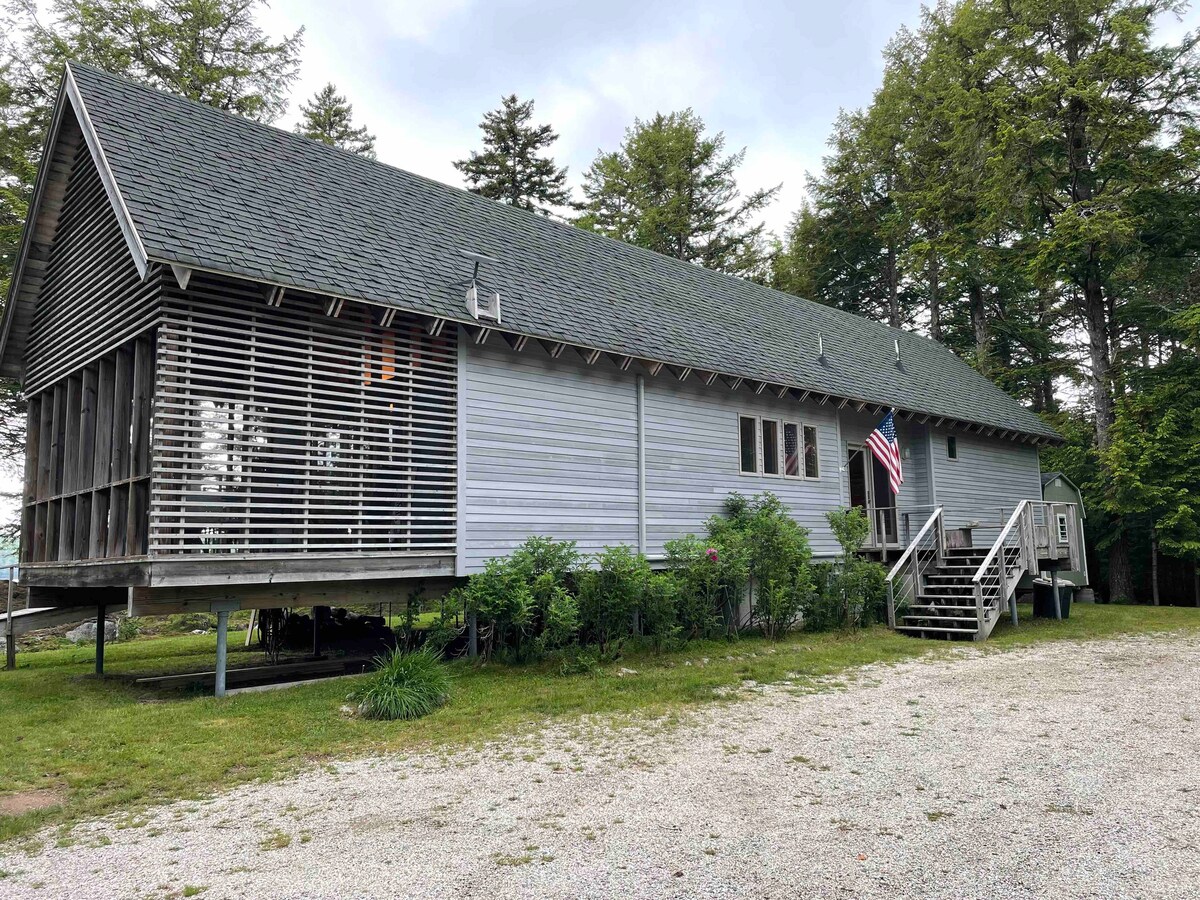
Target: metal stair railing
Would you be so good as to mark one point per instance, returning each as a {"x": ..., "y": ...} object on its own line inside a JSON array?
[
  {"x": 1011, "y": 556},
  {"x": 926, "y": 552}
]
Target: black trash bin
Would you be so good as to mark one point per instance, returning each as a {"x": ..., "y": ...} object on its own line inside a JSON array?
[{"x": 1043, "y": 598}]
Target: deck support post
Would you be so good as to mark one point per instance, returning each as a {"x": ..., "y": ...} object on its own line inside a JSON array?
[
  {"x": 100, "y": 640},
  {"x": 472, "y": 636},
  {"x": 1054, "y": 588},
  {"x": 222, "y": 609},
  {"x": 1012, "y": 607},
  {"x": 222, "y": 637},
  {"x": 10, "y": 636}
]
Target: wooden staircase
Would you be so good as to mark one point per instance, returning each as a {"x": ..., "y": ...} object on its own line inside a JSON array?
[
  {"x": 937, "y": 591},
  {"x": 944, "y": 605}
]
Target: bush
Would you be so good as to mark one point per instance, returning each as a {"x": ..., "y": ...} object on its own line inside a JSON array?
[
  {"x": 700, "y": 582},
  {"x": 610, "y": 594},
  {"x": 405, "y": 686},
  {"x": 853, "y": 591}
]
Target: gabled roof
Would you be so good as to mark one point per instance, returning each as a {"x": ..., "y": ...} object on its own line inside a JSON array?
[{"x": 207, "y": 190}]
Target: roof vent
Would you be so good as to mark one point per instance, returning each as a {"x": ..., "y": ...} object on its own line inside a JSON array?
[{"x": 490, "y": 307}]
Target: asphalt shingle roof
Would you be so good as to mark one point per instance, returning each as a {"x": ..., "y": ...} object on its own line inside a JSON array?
[{"x": 219, "y": 192}]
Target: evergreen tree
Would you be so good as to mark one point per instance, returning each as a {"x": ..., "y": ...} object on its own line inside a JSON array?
[
  {"x": 510, "y": 168},
  {"x": 328, "y": 118},
  {"x": 670, "y": 189}
]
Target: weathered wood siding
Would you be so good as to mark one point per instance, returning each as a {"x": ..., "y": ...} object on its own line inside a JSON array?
[
  {"x": 692, "y": 459},
  {"x": 91, "y": 298},
  {"x": 89, "y": 359},
  {"x": 290, "y": 431},
  {"x": 550, "y": 449},
  {"x": 986, "y": 482}
]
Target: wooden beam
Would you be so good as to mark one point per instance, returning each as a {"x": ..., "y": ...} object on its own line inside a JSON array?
[
  {"x": 680, "y": 372},
  {"x": 435, "y": 326},
  {"x": 182, "y": 275},
  {"x": 554, "y": 348},
  {"x": 386, "y": 317},
  {"x": 783, "y": 391},
  {"x": 516, "y": 341},
  {"x": 859, "y": 407},
  {"x": 333, "y": 307},
  {"x": 588, "y": 356},
  {"x": 274, "y": 296},
  {"x": 760, "y": 387},
  {"x": 804, "y": 396},
  {"x": 481, "y": 335},
  {"x": 620, "y": 361},
  {"x": 734, "y": 382},
  {"x": 843, "y": 402},
  {"x": 709, "y": 378},
  {"x": 652, "y": 366}
]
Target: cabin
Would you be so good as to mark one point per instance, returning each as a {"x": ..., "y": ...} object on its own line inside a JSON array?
[{"x": 263, "y": 372}]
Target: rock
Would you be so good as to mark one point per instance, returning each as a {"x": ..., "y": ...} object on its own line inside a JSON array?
[{"x": 86, "y": 633}]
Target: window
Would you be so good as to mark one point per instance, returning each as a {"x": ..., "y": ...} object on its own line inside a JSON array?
[
  {"x": 1063, "y": 535},
  {"x": 951, "y": 447},
  {"x": 791, "y": 450},
  {"x": 748, "y": 431},
  {"x": 812, "y": 459},
  {"x": 770, "y": 447}
]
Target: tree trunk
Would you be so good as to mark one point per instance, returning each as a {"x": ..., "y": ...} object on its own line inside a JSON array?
[
  {"x": 1154, "y": 563},
  {"x": 893, "y": 277},
  {"x": 1196, "y": 581},
  {"x": 1096, "y": 319},
  {"x": 979, "y": 323},
  {"x": 935, "y": 300},
  {"x": 1120, "y": 574}
]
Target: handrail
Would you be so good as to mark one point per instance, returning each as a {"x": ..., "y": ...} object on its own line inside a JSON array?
[
  {"x": 937, "y": 512},
  {"x": 1012, "y": 520}
]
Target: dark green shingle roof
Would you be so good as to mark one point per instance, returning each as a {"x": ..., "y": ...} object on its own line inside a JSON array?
[{"x": 215, "y": 191}]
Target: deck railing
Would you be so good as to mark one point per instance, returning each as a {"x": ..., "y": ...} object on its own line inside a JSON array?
[{"x": 924, "y": 552}]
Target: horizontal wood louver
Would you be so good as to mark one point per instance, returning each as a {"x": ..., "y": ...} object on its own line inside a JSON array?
[
  {"x": 92, "y": 298},
  {"x": 289, "y": 431},
  {"x": 87, "y": 464}
]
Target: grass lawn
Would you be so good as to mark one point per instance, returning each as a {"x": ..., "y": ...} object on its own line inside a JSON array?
[{"x": 106, "y": 745}]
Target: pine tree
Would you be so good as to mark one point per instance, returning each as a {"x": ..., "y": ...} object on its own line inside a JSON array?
[
  {"x": 328, "y": 118},
  {"x": 510, "y": 168},
  {"x": 670, "y": 189}
]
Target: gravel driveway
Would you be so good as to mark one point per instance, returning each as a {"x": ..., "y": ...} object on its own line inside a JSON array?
[{"x": 1068, "y": 770}]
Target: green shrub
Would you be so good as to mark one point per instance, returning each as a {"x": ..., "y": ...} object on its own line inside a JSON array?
[
  {"x": 852, "y": 591},
  {"x": 128, "y": 628},
  {"x": 659, "y": 611},
  {"x": 560, "y": 616},
  {"x": 405, "y": 686},
  {"x": 502, "y": 601},
  {"x": 610, "y": 594},
  {"x": 701, "y": 572}
]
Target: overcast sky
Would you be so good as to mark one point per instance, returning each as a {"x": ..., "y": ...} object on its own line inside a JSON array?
[{"x": 771, "y": 75}]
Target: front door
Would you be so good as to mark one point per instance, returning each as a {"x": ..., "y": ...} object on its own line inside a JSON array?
[{"x": 885, "y": 501}]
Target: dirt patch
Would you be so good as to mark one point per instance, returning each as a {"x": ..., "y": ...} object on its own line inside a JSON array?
[{"x": 29, "y": 801}]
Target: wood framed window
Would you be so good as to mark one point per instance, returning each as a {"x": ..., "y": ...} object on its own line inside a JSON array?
[
  {"x": 951, "y": 447},
  {"x": 748, "y": 444},
  {"x": 812, "y": 455},
  {"x": 770, "y": 446},
  {"x": 792, "y": 460},
  {"x": 1064, "y": 534}
]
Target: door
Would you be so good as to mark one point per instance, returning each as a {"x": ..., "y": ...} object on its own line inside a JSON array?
[
  {"x": 862, "y": 489},
  {"x": 885, "y": 501}
]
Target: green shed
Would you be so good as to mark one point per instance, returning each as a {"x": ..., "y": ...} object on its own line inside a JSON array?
[{"x": 1058, "y": 488}]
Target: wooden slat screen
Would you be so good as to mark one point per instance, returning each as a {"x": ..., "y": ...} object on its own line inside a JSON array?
[
  {"x": 286, "y": 431},
  {"x": 92, "y": 298},
  {"x": 87, "y": 464}
]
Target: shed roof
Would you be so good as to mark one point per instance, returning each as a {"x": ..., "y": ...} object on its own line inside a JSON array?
[{"x": 212, "y": 191}]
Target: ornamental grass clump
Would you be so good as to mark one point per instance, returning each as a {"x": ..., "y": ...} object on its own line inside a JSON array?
[{"x": 405, "y": 686}]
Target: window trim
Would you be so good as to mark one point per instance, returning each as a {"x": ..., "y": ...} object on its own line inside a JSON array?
[
  {"x": 1063, "y": 528},
  {"x": 757, "y": 446},
  {"x": 804, "y": 456},
  {"x": 799, "y": 426},
  {"x": 762, "y": 449}
]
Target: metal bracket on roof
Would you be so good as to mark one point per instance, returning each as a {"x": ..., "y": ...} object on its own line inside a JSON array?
[{"x": 490, "y": 308}]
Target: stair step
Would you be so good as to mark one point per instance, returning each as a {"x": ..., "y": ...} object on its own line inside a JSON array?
[
  {"x": 966, "y": 632},
  {"x": 943, "y": 619}
]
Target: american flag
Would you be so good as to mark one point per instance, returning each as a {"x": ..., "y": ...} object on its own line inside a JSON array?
[{"x": 886, "y": 447}]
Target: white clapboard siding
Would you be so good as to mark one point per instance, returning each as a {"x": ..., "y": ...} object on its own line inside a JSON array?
[
  {"x": 550, "y": 449},
  {"x": 284, "y": 430}
]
